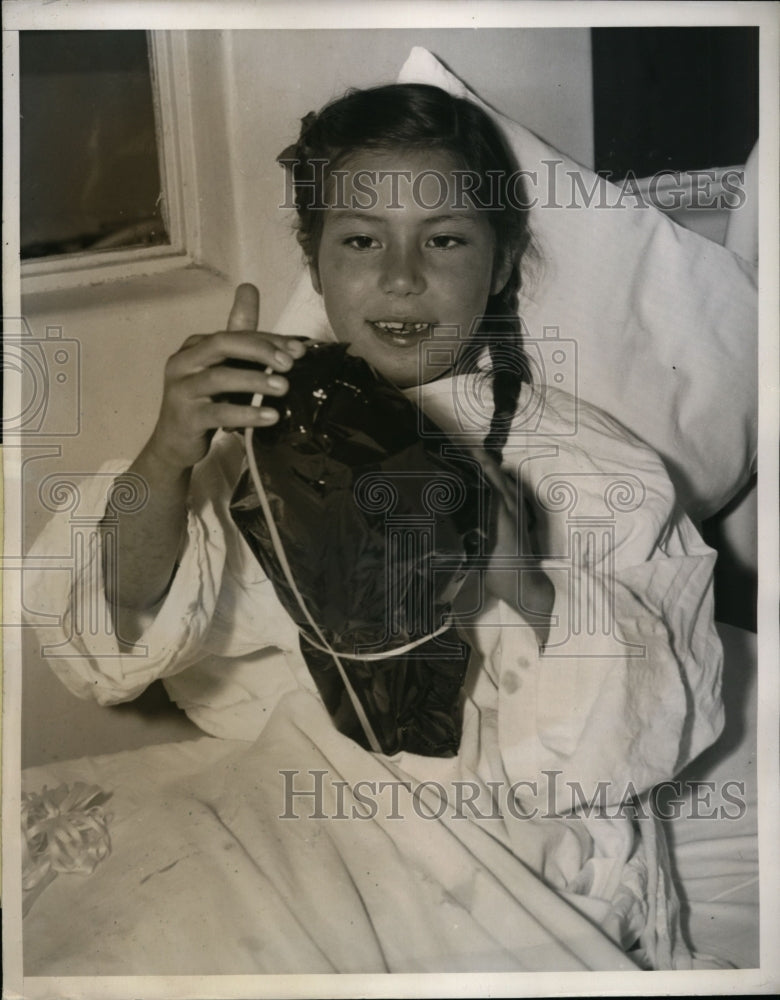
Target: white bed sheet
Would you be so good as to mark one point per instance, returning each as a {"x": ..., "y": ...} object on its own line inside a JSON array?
[
  {"x": 715, "y": 861},
  {"x": 206, "y": 878},
  {"x": 204, "y": 901}
]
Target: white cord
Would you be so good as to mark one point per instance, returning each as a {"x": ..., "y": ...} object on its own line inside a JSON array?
[
  {"x": 385, "y": 654},
  {"x": 280, "y": 553}
]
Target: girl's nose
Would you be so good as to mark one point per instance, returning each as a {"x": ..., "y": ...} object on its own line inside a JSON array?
[{"x": 403, "y": 272}]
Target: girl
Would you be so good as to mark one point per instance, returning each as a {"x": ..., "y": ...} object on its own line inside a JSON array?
[
  {"x": 393, "y": 272},
  {"x": 406, "y": 241},
  {"x": 413, "y": 237}
]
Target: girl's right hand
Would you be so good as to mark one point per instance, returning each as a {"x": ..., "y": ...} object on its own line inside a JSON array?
[{"x": 198, "y": 375}]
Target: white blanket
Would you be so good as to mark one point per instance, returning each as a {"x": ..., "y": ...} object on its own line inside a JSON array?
[
  {"x": 211, "y": 879},
  {"x": 204, "y": 877}
]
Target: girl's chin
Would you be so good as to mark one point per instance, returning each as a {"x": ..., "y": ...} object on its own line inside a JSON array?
[
  {"x": 404, "y": 374},
  {"x": 400, "y": 375}
]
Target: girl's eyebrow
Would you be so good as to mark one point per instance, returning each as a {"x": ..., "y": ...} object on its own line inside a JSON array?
[
  {"x": 465, "y": 216},
  {"x": 356, "y": 215}
]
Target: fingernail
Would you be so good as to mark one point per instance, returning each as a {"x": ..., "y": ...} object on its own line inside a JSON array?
[
  {"x": 267, "y": 414},
  {"x": 280, "y": 358},
  {"x": 277, "y": 382}
]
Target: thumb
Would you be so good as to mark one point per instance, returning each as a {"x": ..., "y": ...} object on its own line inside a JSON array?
[{"x": 245, "y": 313}]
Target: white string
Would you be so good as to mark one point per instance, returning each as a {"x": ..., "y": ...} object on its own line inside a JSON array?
[
  {"x": 385, "y": 654},
  {"x": 280, "y": 553}
]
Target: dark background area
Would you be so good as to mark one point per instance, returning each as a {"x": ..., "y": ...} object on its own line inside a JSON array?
[{"x": 673, "y": 98}]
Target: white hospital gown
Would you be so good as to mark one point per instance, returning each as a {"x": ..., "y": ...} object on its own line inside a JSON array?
[{"x": 626, "y": 691}]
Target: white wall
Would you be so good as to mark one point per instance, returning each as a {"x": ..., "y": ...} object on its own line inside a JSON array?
[{"x": 125, "y": 330}]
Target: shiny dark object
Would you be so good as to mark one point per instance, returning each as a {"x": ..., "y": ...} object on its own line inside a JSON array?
[{"x": 380, "y": 518}]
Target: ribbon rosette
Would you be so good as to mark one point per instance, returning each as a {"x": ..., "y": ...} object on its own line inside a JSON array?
[{"x": 63, "y": 830}]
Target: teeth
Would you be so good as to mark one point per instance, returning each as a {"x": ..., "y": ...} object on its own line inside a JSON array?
[{"x": 396, "y": 327}]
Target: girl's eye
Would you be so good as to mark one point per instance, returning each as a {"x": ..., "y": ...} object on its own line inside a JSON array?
[
  {"x": 361, "y": 242},
  {"x": 446, "y": 242}
]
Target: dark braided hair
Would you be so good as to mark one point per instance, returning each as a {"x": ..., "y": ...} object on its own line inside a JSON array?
[{"x": 418, "y": 116}]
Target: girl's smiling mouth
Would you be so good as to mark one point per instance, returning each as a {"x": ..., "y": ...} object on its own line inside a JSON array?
[{"x": 400, "y": 333}]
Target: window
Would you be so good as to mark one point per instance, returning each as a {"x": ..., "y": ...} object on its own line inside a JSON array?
[
  {"x": 105, "y": 156},
  {"x": 90, "y": 176}
]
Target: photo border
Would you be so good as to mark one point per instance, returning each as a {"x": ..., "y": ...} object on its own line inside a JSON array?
[{"x": 61, "y": 14}]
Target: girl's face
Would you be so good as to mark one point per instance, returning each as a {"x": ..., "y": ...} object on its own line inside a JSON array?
[{"x": 404, "y": 257}]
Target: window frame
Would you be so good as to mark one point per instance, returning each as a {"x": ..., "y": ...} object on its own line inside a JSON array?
[{"x": 170, "y": 91}]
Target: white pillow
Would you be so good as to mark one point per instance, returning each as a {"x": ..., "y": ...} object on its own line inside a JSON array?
[{"x": 655, "y": 324}]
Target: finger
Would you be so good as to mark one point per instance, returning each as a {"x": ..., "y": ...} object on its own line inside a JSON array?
[
  {"x": 295, "y": 348},
  {"x": 229, "y": 379},
  {"x": 191, "y": 341},
  {"x": 245, "y": 312},
  {"x": 232, "y": 416},
  {"x": 228, "y": 345}
]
